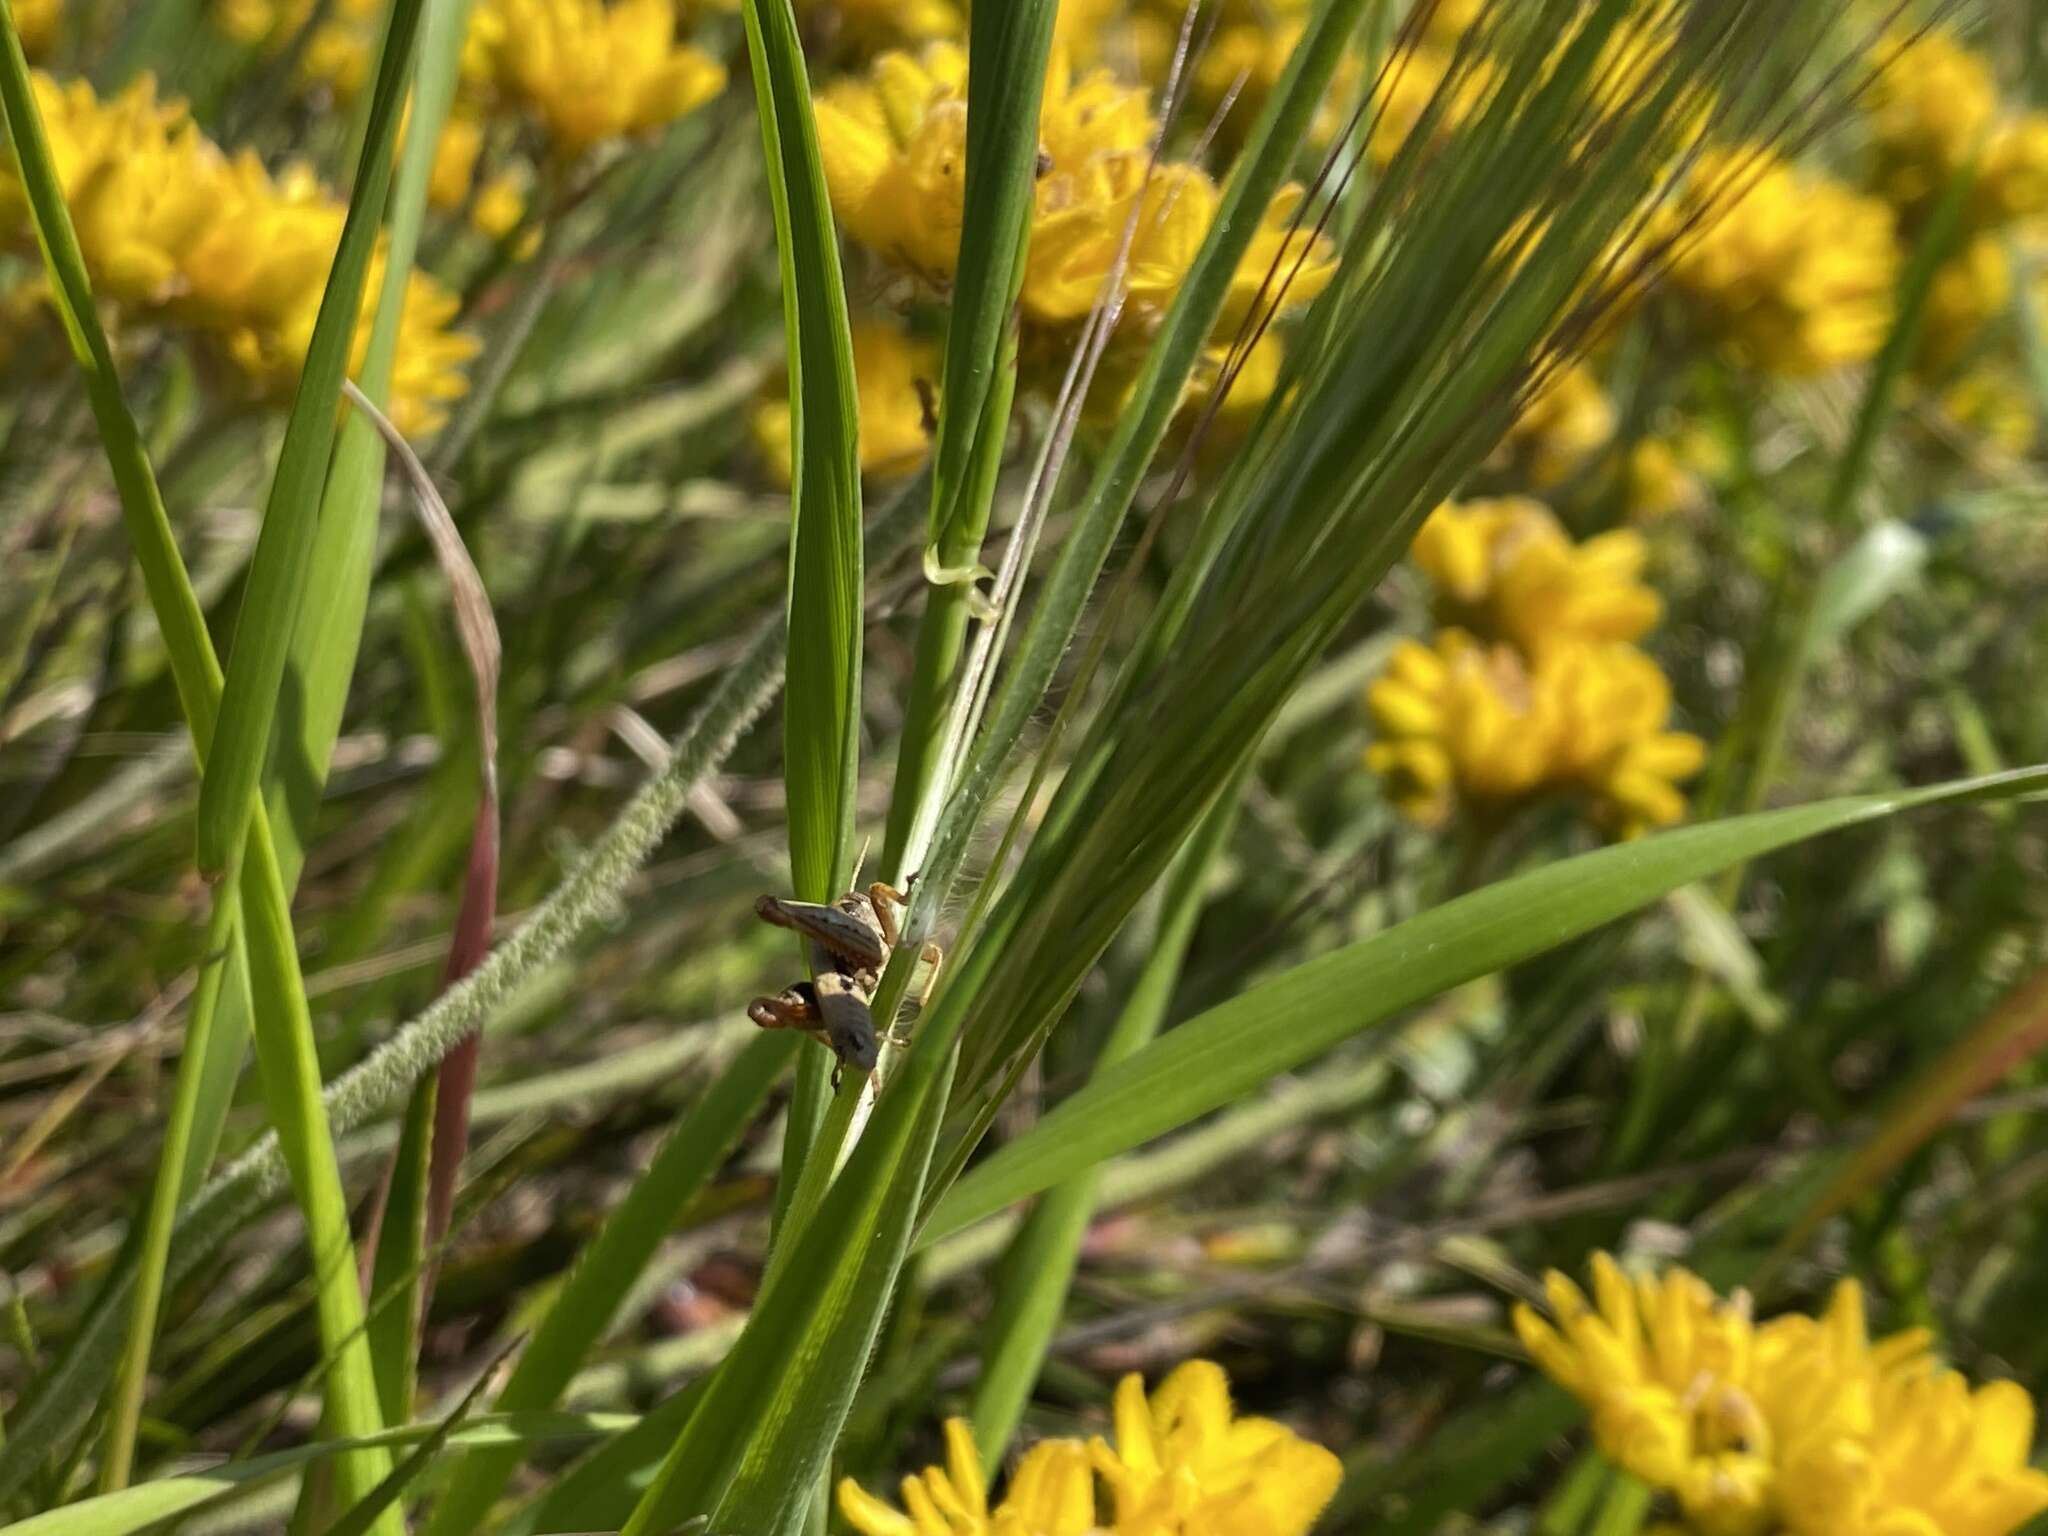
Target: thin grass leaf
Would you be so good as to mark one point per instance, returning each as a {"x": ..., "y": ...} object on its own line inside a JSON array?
[
  {"x": 148, "y": 1505},
  {"x": 280, "y": 571},
  {"x": 290, "y": 1067},
  {"x": 397, "y": 1251},
  {"x": 1263, "y": 166},
  {"x": 1038, "y": 1271},
  {"x": 67, "y": 1392},
  {"x": 1232, "y": 1049},
  {"x": 610, "y": 1265},
  {"x": 1006, "y": 62},
  {"x": 753, "y": 1451},
  {"x": 821, "y": 731}
]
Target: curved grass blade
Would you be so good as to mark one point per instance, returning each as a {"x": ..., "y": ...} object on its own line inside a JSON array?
[
  {"x": 281, "y": 569},
  {"x": 1233, "y": 1048},
  {"x": 290, "y": 1066}
]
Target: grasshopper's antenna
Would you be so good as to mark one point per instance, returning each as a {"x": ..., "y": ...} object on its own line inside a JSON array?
[{"x": 861, "y": 859}]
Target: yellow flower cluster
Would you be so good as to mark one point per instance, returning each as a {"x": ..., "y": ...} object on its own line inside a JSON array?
[
  {"x": 892, "y": 371},
  {"x": 1801, "y": 1425},
  {"x": 587, "y": 71},
  {"x": 895, "y": 161},
  {"x": 1568, "y": 421},
  {"x": 175, "y": 229},
  {"x": 1555, "y": 701},
  {"x": 1933, "y": 111},
  {"x": 1182, "y": 1465},
  {"x": 1793, "y": 271}
]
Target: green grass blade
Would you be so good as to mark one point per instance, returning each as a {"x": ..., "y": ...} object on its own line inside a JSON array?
[
  {"x": 292, "y": 1074},
  {"x": 821, "y": 732},
  {"x": 148, "y": 1505},
  {"x": 1006, "y": 60},
  {"x": 281, "y": 569},
  {"x": 1038, "y": 1270},
  {"x": 610, "y": 1265},
  {"x": 1233, "y": 1048},
  {"x": 1264, "y": 165},
  {"x": 328, "y": 633},
  {"x": 400, "y": 1241},
  {"x": 753, "y": 1452}
]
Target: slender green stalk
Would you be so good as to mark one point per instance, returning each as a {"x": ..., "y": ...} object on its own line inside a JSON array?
[{"x": 1008, "y": 48}]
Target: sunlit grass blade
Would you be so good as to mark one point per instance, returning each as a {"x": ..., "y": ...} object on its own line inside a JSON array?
[
  {"x": 1008, "y": 47},
  {"x": 611, "y": 1264},
  {"x": 281, "y": 569},
  {"x": 1230, "y": 1050}
]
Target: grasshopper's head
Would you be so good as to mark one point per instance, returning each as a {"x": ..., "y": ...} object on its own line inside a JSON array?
[{"x": 856, "y": 1048}]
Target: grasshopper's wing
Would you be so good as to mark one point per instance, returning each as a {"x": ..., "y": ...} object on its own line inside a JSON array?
[
  {"x": 849, "y": 1027},
  {"x": 847, "y": 931}
]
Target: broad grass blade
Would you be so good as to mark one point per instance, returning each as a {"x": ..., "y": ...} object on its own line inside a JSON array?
[{"x": 1232, "y": 1049}]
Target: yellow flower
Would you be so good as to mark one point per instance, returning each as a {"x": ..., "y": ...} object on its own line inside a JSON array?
[
  {"x": 592, "y": 72},
  {"x": 1182, "y": 1465},
  {"x": 1970, "y": 289},
  {"x": 1657, "y": 482},
  {"x": 1793, "y": 272},
  {"x": 1507, "y": 568},
  {"x": 1461, "y": 722},
  {"x": 1568, "y": 421},
  {"x": 1803, "y": 1425},
  {"x": 895, "y": 161},
  {"x": 175, "y": 230},
  {"x": 892, "y": 370}
]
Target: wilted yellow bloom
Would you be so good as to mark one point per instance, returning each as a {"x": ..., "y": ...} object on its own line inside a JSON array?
[
  {"x": 1507, "y": 568},
  {"x": 892, "y": 371},
  {"x": 590, "y": 72},
  {"x": 1182, "y": 1465},
  {"x": 1568, "y": 421},
  {"x": 173, "y": 228},
  {"x": 895, "y": 160},
  {"x": 1793, "y": 271},
  {"x": 1464, "y": 723},
  {"x": 1801, "y": 1425}
]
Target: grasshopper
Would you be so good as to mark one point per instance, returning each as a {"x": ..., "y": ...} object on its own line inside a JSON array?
[{"x": 849, "y": 941}]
